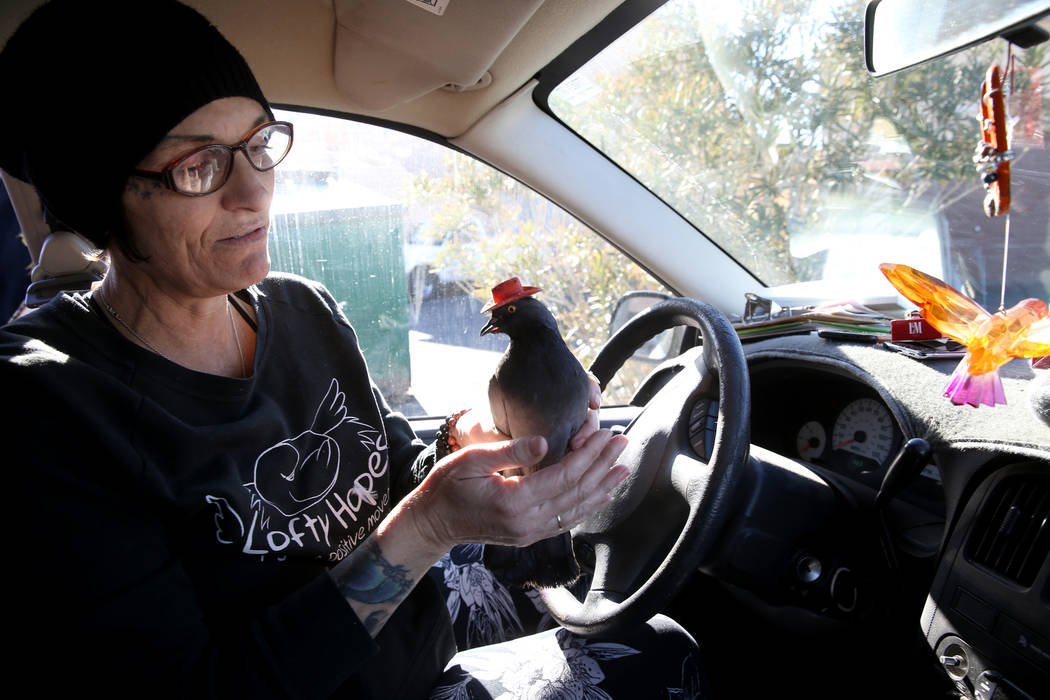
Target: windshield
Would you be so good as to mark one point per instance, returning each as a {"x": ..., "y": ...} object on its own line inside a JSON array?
[{"x": 757, "y": 120}]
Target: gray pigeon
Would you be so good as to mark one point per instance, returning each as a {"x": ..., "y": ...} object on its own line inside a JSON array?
[{"x": 538, "y": 388}]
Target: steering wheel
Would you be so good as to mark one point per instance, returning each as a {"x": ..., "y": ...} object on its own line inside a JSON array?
[{"x": 673, "y": 501}]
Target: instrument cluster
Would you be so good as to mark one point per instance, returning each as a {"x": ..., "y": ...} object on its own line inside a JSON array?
[
  {"x": 830, "y": 421},
  {"x": 859, "y": 437}
]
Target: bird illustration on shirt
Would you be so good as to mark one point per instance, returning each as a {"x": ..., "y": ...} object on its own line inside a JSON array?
[{"x": 300, "y": 471}]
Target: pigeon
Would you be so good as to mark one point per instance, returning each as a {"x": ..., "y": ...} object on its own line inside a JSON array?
[{"x": 538, "y": 388}]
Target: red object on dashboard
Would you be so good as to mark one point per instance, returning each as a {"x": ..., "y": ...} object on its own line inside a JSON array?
[{"x": 913, "y": 328}]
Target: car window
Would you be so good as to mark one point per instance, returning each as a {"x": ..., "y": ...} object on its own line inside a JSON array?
[
  {"x": 410, "y": 237},
  {"x": 757, "y": 120}
]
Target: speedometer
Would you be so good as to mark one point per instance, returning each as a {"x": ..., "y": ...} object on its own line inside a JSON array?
[{"x": 864, "y": 428}]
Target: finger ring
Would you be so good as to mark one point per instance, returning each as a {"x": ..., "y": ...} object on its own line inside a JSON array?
[{"x": 558, "y": 518}]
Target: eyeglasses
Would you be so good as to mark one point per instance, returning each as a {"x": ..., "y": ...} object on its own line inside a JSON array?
[{"x": 204, "y": 170}]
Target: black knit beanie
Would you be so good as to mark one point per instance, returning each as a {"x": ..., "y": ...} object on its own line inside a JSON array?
[{"x": 91, "y": 87}]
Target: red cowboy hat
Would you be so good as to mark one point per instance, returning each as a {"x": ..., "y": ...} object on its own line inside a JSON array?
[{"x": 508, "y": 291}]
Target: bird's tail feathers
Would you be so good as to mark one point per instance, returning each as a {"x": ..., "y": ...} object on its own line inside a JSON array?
[
  {"x": 966, "y": 388},
  {"x": 545, "y": 564}
]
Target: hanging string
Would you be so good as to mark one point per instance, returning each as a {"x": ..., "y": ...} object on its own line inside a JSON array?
[
  {"x": 1006, "y": 227},
  {"x": 1006, "y": 254}
]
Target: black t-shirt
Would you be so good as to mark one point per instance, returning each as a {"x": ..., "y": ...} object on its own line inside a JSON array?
[{"x": 178, "y": 525}]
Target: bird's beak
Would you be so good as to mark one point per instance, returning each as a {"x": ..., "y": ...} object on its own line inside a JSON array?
[{"x": 490, "y": 327}]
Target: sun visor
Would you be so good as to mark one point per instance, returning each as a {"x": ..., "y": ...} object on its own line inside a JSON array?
[{"x": 391, "y": 51}]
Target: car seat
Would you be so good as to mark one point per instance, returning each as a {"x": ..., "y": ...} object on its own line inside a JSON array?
[{"x": 62, "y": 261}]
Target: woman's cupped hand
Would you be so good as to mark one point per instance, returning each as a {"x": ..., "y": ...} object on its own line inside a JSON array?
[{"x": 467, "y": 499}]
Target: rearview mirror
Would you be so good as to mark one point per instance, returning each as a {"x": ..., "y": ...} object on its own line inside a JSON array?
[{"x": 899, "y": 34}]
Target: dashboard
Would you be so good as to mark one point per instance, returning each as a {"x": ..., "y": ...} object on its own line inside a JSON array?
[
  {"x": 959, "y": 553},
  {"x": 975, "y": 520}
]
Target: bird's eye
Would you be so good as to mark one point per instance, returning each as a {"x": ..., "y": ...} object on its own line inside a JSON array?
[{"x": 511, "y": 309}]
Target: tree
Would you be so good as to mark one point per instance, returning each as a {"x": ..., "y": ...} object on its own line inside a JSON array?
[
  {"x": 750, "y": 119},
  {"x": 501, "y": 229}
]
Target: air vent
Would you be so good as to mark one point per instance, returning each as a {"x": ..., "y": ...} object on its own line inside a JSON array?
[{"x": 1012, "y": 533}]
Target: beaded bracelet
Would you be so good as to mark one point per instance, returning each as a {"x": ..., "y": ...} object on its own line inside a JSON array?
[{"x": 446, "y": 441}]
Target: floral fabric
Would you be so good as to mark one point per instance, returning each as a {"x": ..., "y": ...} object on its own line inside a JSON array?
[{"x": 511, "y": 648}]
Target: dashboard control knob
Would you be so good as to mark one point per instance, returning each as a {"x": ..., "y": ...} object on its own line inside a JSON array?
[
  {"x": 808, "y": 569},
  {"x": 955, "y": 661}
]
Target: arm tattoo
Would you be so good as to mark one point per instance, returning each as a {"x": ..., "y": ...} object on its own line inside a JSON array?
[
  {"x": 371, "y": 579},
  {"x": 375, "y": 620}
]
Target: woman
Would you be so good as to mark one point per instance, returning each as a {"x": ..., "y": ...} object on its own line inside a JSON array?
[{"x": 215, "y": 509}]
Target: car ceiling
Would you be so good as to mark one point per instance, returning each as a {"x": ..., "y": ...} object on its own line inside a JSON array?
[
  {"x": 390, "y": 59},
  {"x": 295, "y": 48}
]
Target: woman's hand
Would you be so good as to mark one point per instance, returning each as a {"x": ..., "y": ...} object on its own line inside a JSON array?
[
  {"x": 465, "y": 498},
  {"x": 476, "y": 425}
]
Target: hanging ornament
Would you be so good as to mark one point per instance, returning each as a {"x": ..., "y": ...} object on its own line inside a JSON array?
[
  {"x": 991, "y": 340},
  {"x": 993, "y": 155}
]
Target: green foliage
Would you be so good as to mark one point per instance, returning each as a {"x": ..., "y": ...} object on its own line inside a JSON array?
[
  {"x": 500, "y": 229},
  {"x": 750, "y": 133}
]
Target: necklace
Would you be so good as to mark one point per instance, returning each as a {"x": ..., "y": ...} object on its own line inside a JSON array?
[
  {"x": 236, "y": 337},
  {"x": 128, "y": 328},
  {"x": 153, "y": 348}
]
